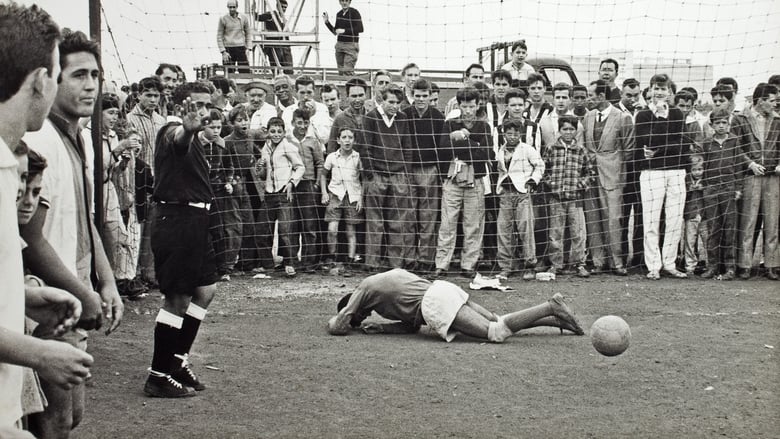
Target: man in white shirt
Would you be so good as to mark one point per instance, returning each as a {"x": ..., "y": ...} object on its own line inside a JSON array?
[
  {"x": 27, "y": 94},
  {"x": 320, "y": 122},
  {"x": 518, "y": 67}
]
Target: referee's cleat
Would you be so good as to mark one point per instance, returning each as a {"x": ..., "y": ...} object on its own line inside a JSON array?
[
  {"x": 187, "y": 377},
  {"x": 166, "y": 387}
]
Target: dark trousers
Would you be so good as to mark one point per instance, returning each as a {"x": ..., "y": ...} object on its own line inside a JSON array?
[
  {"x": 632, "y": 201},
  {"x": 278, "y": 210},
  {"x": 280, "y": 57},
  {"x": 306, "y": 197},
  {"x": 238, "y": 57},
  {"x": 720, "y": 215}
]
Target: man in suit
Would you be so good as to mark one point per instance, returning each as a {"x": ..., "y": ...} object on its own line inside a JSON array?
[{"x": 609, "y": 139}]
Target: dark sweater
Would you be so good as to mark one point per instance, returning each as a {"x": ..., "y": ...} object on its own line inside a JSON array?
[
  {"x": 351, "y": 22},
  {"x": 476, "y": 150},
  {"x": 664, "y": 137},
  {"x": 181, "y": 171},
  {"x": 426, "y": 132},
  {"x": 385, "y": 150},
  {"x": 724, "y": 165}
]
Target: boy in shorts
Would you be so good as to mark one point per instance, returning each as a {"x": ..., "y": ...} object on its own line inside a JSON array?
[{"x": 344, "y": 195}]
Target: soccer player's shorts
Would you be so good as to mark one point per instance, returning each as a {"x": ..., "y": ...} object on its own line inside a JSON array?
[
  {"x": 440, "y": 305},
  {"x": 183, "y": 253},
  {"x": 336, "y": 210}
]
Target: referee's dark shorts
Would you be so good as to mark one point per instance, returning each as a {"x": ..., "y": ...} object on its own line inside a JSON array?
[{"x": 183, "y": 252}]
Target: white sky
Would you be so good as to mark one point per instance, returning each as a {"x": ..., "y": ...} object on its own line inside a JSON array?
[{"x": 739, "y": 38}]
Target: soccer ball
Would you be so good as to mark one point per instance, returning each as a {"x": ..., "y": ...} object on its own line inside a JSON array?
[{"x": 610, "y": 335}]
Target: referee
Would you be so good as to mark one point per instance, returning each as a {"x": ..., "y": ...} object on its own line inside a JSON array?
[{"x": 183, "y": 254}]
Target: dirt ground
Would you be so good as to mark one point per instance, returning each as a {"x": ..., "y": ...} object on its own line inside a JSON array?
[{"x": 702, "y": 363}]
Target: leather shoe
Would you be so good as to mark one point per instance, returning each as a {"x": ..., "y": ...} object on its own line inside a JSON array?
[
  {"x": 771, "y": 274},
  {"x": 744, "y": 273},
  {"x": 728, "y": 275},
  {"x": 710, "y": 273},
  {"x": 621, "y": 271}
]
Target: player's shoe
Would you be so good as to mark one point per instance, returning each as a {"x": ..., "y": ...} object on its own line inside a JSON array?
[
  {"x": 166, "y": 387},
  {"x": 185, "y": 375},
  {"x": 562, "y": 311}
]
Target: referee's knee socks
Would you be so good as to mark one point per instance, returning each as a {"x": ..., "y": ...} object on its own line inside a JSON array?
[
  {"x": 166, "y": 338},
  {"x": 189, "y": 328}
]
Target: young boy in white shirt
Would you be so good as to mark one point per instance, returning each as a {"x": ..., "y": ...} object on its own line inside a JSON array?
[
  {"x": 520, "y": 168},
  {"x": 344, "y": 195}
]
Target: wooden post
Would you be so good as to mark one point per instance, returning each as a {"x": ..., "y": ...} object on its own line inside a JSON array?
[{"x": 97, "y": 122}]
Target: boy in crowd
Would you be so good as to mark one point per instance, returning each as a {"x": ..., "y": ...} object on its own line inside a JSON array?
[
  {"x": 518, "y": 68},
  {"x": 530, "y": 135},
  {"x": 694, "y": 131},
  {"x": 225, "y": 222},
  {"x": 695, "y": 226},
  {"x": 331, "y": 99},
  {"x": 520, "y": 169},
  {"x": 247, "y": 185},
  {"x": 579, "y": 101},
  {"x": 434, "y": 100},
  {"x": 473, "y": 74},
  {"x": 308, "y": 189},
  {"x": 343, "y": 196},
  {"x": 281, "y": 167},
  {"x": 538, "y": 107},
  {"x": 567, "y": 176},
  {"x": 724, "y": 165},
  {"x": 146, "y": 119},
  {"x": 722, "y": 99},
  {"x": 352, "y": 116},
  {"x": 659, "y": 135},
  {"x": 609, "y": 143},
  {"x": 386, "y": 154},
  {"x": 426, "y": 125},
  {"x": 409, "y": 74},
  {"x": 608, "y": 72},
  {"x": 464, "y": 155},
  {"x": 348, "y": 27},
  {"x": 319, "y": 119},
  {"x": 502, "y": 81},
  {"x": 758, "y": 131},
  {"x": 548, "y": 125}
]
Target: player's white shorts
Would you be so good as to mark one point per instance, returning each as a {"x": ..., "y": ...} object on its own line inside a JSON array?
[{"x": 440, "y": 305}]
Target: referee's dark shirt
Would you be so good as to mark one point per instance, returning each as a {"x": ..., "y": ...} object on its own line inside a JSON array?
[{"x": 181, "y": 174}]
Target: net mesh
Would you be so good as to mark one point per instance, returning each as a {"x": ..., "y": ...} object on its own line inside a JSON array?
[{"x": 403, "y": 205}]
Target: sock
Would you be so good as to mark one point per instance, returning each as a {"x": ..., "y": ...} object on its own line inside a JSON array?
[
  {"x": 189, "y": 330},
  {"x": 166, "y": 336}
]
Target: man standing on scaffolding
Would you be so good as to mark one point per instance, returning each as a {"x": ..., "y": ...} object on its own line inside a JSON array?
[
  {"x": 278, "y": 56},
  {"x": 234, "y": 36}
]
